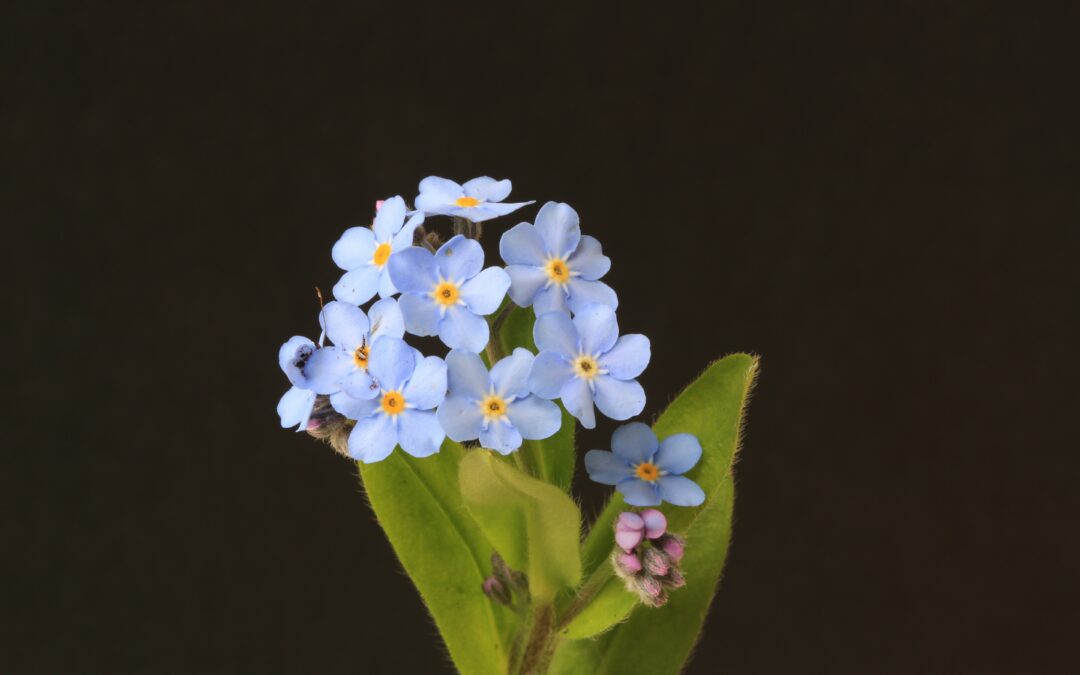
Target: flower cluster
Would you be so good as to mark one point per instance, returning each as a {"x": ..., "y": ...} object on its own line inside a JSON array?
[{"x": 647, "y": 555}]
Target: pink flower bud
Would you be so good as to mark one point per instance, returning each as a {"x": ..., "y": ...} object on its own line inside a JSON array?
[
  {"x": 629, "y": 530},
  {"x": 673, "y": 546},
  {"x": 628, "y": 563},
  {"x": 656, "y": 562},
  {"x": 651, "y": 591},
  {"x": 655, "y": 523},
  {"x": 378, "y": 205},
  {"x": 674, "y": 578}
]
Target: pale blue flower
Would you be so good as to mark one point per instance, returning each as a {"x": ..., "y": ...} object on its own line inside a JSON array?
[
  {"x": 346, "y": 365},
  {"x": 646, "y": 472},
  {"x": 295, "y": 406},
  {"x": 365, "y": 251},
  {"x": 477, "y": 200},
  {"x": 402, "y": 412},
  {"x": 552, "y": 266},
  {"x": 495, "y": 407},
  {"x": 584, "y": 361},
  {"x": 447, "y": 294}
]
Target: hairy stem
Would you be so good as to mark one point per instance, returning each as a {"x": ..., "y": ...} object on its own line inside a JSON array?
[
  {"x": 585, "y": 595},
  {"x": 540, "y": 646}
]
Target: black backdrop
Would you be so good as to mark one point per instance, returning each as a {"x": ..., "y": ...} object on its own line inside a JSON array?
[{"x": 882, "y": 203}]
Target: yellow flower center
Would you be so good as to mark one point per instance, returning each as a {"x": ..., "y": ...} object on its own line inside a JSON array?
[
  {"x": 493, "y": 407},
  {"x": 647, "y": 471},
  {"x": 446, "y": 293},
  {"x": 467, "y": 202},
  {"x": 360, "y": 356},
  {"x": 393, "y": 402},
  {"x": 382, "y": 254},
  {"x": 586, "y": 367},
  {"x": 557, "y": 270}
]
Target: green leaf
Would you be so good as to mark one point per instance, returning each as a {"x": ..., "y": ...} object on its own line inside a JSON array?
[
  {"x": 659, "y": 640},
  {"x": 551, "y": 458},
  {"x": 445, "y": 553},
  {"x": 532, "y": 524},
  {"x": 611, "y": 604}
]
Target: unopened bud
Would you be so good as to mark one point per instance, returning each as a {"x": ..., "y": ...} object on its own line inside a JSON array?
[
  {"x": 673, "y": 545},
  {"x": 627, "y": 564},
  {"x": 629, "y": 530},
  {"x": 651, "y": 591},
  {"x": 674, "y": 578},
  {"x": 656, "y": 563},
  {"x": 655, "y": 523},
  {"x": 496, "y": 590}
]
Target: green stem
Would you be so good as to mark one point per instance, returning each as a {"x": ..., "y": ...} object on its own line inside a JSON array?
[
  {"x": 588, "y": 591},
  {"x": 540, "y": 647}
]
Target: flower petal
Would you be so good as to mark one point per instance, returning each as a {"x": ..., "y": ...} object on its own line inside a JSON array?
[
  {"x": 413, "y": 270},
  {"x": 467, "y": 375},
  {"x": 327, "y": 367},
  {"x": 391, "y": 362},
  {"x": 584, "y": 293},
  {"x": 534, "y": 418},
  {"x": 360, "y": 384},
  {"x": 525, "y": 283},
  {"x": 386, "y": 319},
  {"x": 460, "y": 416},
  {"x": 578, "y": 400},
  {"x": 510, "y": 376},
  {"x": 373, "y": 438},
  {"x": 459, "y": 259},
  {"x": 487, "y": 189},
  {"x": 486, "y": 210},
  {"x": 554, "y": 332},
  {"x": 345, "y": 324},
  {"x": 358, "y": 286},
  {"x": 558, "y": 226},
  {"x": 588, "y": 259},
  {"x": 427, "y": 386},
  {"x": 628, "y": 358},
  {"x": 597, "y": 327},
  {"x": 549, "y": 374},
  {"x": 461, "y": 329},
  {"x": 619, "y": 399},
  {"x": 551, "y": 299},
  {"x": 485, "y": 292},
  {"x": 680, "y": 491},
  {"x": 638, "y": 493},
  {"x": 678, "y": 453},
  {"x": 356, "y": 247},
  {"x": 522, "y": 245},
  {"x": 293, "y": 356},
  {"x": 501, "y": 436},
  {"x": 389, "y": 219},
  {"x": 604, "y": 467},
  {"x": 294, "y": 408},
  {"x": 435, "y": 192},
  {"x": 353, "y": 408},
  {"x": 634, "y": 443},
  {"x": 655, "y": 523},
  {"x": 420, "y": 313},
  {"x": 386, "y": 284},
  {"x": 404, "y": 239},
  {"x": 419, "y": 432}
]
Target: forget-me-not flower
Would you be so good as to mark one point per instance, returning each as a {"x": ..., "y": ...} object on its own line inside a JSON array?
[
  {"x": 477, "y": 200},
  {"x": 365, "y": 251},
  {"x": 410, "y": 387},
  {"x": 552, "y": 266},
  {"x": 646, "y": 472},
  {"x": 345, "y": 366},
  {"x": 295, "y": 406},
  {"x": 583, "y": 360},
  {"x": 447, "y": 294},
  {"x": 495, "y": 407}
]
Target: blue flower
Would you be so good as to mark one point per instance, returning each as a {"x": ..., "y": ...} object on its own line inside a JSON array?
[
  {"x": 552, "y": 266},
  {"x": 364, "y": 252},
  {"x": 646, "y": 472},
  {"x": 583, "y": 360},
  {"x": 477, "y": 200},
  {"x": 446, "y": 294},
  {"x": 294, "y": 408},
  {"x": 497, "y": 408},
  {"x": 345, "y": 366},
  {"x": 410, "y": 387}
]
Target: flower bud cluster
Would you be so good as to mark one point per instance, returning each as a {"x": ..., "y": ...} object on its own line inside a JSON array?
[
  {"x": 647, "y": 556},
  {"x": 504, "y": 585}
]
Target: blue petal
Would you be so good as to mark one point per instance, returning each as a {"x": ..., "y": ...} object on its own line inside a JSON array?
[
  {"x": 604, "y": 467},
  {"x": 386, "y": 284},
  {"x": 510, "y": 376},
  {"x": 391, "y": 362},
  {"x": 588, "y": 259},
  {"x": 437, "y": 192},
  {"x": 327, "y": 367},
  {"x": 522, "y": 245},
  {"x": 549, "y": 374},
  {"x": 352, "y": 407},
  {"x": 389, "y": 219},
  {"x": 420, "y": 313},
  {"x": 680, "y": 491},
  {"x": 356, "y": 247},
  {"x": 359, "y": 384},
  {"x": 404, "y": 239},
  {"x": 461, "y": 329},
  {"x": 485, "y": 292},
  {"x": 534, "y": 418},
  {"x": 386, "y": 319},
  {"x": 678, "y": 453},
  {"x": 373, "y": 438},
  {"x": 413, "y": 270},
  {"x": 558, "y": 226},
  {"x": 597, "y": 327},
  {"x": 294, "y": 408},
  {"x": 460, "y": 416},
  {"x": 525, "y": 283},
  {"x": 485, "y": 211},
  {"x": 420, "y": 433},
  {"x": 467, "y": 375},
  {"x": 551, "y": 299},
  {"x": 634, "y": 443},
  {"x": 619, "y": 399},
  {"x": 578, "y": 400},
  {"x": 584, "y": 293},
  {"x": 459, "y": 259},
  {"x": 501, "y": 436},
  {"x": 487, "y": 189},
  {"x": 638, "y": 493},
  {"x": 293, "y": 356},
  {"x": 427, "y": 386},
  {"x": 345, "y": 324},
  {"x": 628, "y": 358},
  {"x": 554, "y": 332},
  {"x": 358, "y": 286}
]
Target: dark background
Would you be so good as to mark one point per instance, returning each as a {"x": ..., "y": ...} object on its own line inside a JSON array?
[{"x": 881, "y": 202}]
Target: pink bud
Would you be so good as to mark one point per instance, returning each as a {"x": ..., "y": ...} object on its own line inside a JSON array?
[
  {"x": 628, "y": 563},
  {"x": 629, "y": 530},
  {"x": 656, "y": 562},
  {"x": 378, "y": 205},
  {"x": 313, "y": 423},
  {"x": 673, "y": 546},
  {"x": 651, "y": 591},
  {"x": 674, "y": 578},
  {"x": 655, "y": 523}
]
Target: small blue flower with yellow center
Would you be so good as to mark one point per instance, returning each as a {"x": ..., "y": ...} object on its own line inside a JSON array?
[
  {"x": 345, "y": 366},
  {"x": 447, "y": 294},
  {"x": 365, "y": 251},
  {"x": 295, "y": 406},
  {"x": 495, "y": 407},
  {"x": 410, "y": 388},
  {"x": 645, "y": 471},
  {"x": 477, "y": 200},
  {"x": 584, "y": 361},
  {"x": 552, "y": 267}
]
